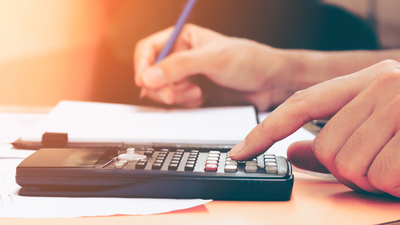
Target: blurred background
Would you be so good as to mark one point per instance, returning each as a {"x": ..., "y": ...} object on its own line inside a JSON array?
[{"x": 52, "y": 50}]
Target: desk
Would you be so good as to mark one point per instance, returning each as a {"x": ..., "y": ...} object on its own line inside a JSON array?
[{"x": 314, "y": 201}]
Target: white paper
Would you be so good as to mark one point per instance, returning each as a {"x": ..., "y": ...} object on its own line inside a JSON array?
[
  {"x": 14, "y": 206},
  {"x": 13, "y": 125},
  {"x": 100, "y": 122}
]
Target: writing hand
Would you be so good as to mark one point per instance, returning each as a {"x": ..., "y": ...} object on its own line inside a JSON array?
[{"x": 230, "y": 71}]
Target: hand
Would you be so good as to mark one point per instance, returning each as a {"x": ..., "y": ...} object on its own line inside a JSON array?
[
  {"x": 360, "y": 143},
  {"x": 207, "y": 68}
]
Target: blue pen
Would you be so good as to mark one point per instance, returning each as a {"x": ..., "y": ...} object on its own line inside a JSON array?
[
  {"x": 178, "y": 27},
  {"x": 171, "y": 41}
]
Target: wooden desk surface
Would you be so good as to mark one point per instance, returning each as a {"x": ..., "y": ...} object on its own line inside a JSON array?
[{"x": 314, "y": 200}]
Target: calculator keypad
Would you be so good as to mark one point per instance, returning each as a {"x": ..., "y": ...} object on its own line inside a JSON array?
[{"x": 193, "y": 160}]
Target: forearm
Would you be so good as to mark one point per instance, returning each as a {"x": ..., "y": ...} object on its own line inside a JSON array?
[{"x": 311, "y": 67}]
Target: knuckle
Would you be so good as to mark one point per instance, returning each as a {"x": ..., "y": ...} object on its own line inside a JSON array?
[
  {"x": 299, "y": 97},
  {"x": 388, "y": 63},
  {"x": 261, "y": 127},
  {"x": 346, "y": 169},
  {"x": 389, "y": 76},
  {"x": 380, "y": 173},
  {"x": 320, "y": 151}
]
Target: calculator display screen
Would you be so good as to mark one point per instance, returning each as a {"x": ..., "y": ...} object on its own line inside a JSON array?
[{"x": 69, "y": 158}]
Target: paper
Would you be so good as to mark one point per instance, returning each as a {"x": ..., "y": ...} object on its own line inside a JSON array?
[
  {"x": 100, "y": 122},
  {"x": 14, "y": 206},
  {"x": 13, "y": 125}
]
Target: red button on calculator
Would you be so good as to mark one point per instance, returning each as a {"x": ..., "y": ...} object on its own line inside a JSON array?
[{"x": 211, "y": 168}]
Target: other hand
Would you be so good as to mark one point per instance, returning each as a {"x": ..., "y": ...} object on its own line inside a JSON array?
[{"x": 360, "y": 145}]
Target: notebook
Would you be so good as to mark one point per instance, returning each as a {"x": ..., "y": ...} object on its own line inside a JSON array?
[{"x": 103, "y": 124}]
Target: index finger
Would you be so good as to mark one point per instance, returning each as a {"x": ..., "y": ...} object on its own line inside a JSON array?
[
  {"x": 146, "y": 52},
  {"x": 317, "y": 102}
]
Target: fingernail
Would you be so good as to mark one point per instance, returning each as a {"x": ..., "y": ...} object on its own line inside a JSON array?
[
  {"x": 153, "y": 76},
  {"x": 239, "y": 147}
]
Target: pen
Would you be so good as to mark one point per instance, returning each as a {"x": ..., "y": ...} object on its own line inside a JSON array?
[{"x": 171, "y": 41}]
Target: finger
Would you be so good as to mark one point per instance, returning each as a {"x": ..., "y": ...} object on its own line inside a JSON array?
[
  {"x": 316, "y": 102},
  {"x": 176, "y": 67},
  {"x": 183, "y": 94},
  {"x": 302, "y": 156},
  {"x": 384, "y": 171},
  {"x": 146, "y": 52},
  {"x": 377, "y": 108}
]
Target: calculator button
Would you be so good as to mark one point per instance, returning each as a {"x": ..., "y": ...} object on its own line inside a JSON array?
[
  {"x": 211, "y": 168},
  {"x": 189, "y": 167},
  {"x": 173, "y": 166},
  {"x": 159, "y": 161},
  {"x": 270, "y": 165},
  {"x": 140, "y": 165},
  {"x": 214, "y": 152},
  {"x": 212, "y": 158},
  {"x": 230, "y": 168},
  {"x": 164, "y": 150},
  {"x": 119, "y": 164},
  {"x": 180, "y": 150},
  {"x": 156, "y": 166},
  {"x": 191, "y": 162},
  {"x": 269, "y": 157},
  {"x": 212, "y": 162},
  {"x": 271, "y": 169},
  {"x": 162, "y": 155},
  {"x": 192, "y": 158},
  {"x": 176, "y": 158},
  {"x": 251, "y": 163},
  {"x": 269, "y": 160},
  {"x": 130, "y": 150},
  {"x": 231, "y": 162},
  {"x": 250, "y": 169},
  {"x": 148, "y": 153},
  {"x": 194, "y": 151},
  {"x": 131, "y": 157},
  {"x": 175, "y": 161},
  {"x": 213, "y": 155}
]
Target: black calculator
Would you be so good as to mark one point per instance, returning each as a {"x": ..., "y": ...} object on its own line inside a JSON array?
[{"x": 154, "y": 172}]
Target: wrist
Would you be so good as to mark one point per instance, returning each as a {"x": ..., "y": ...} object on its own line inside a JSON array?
[{"x": 300, "y": 69}]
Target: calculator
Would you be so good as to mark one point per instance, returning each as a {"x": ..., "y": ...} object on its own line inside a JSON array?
[{"x": 154, "y": 172}]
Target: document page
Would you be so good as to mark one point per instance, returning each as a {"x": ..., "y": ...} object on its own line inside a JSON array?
[{"x": 103, "y": 122}]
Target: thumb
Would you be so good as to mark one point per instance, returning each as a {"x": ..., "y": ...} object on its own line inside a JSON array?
[
  {"x": 175, "y": 67},
  {"x": 301, "y": 155}
]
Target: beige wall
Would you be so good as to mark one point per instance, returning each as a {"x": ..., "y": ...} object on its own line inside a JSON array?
[{"x": 47, "y": 49}]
